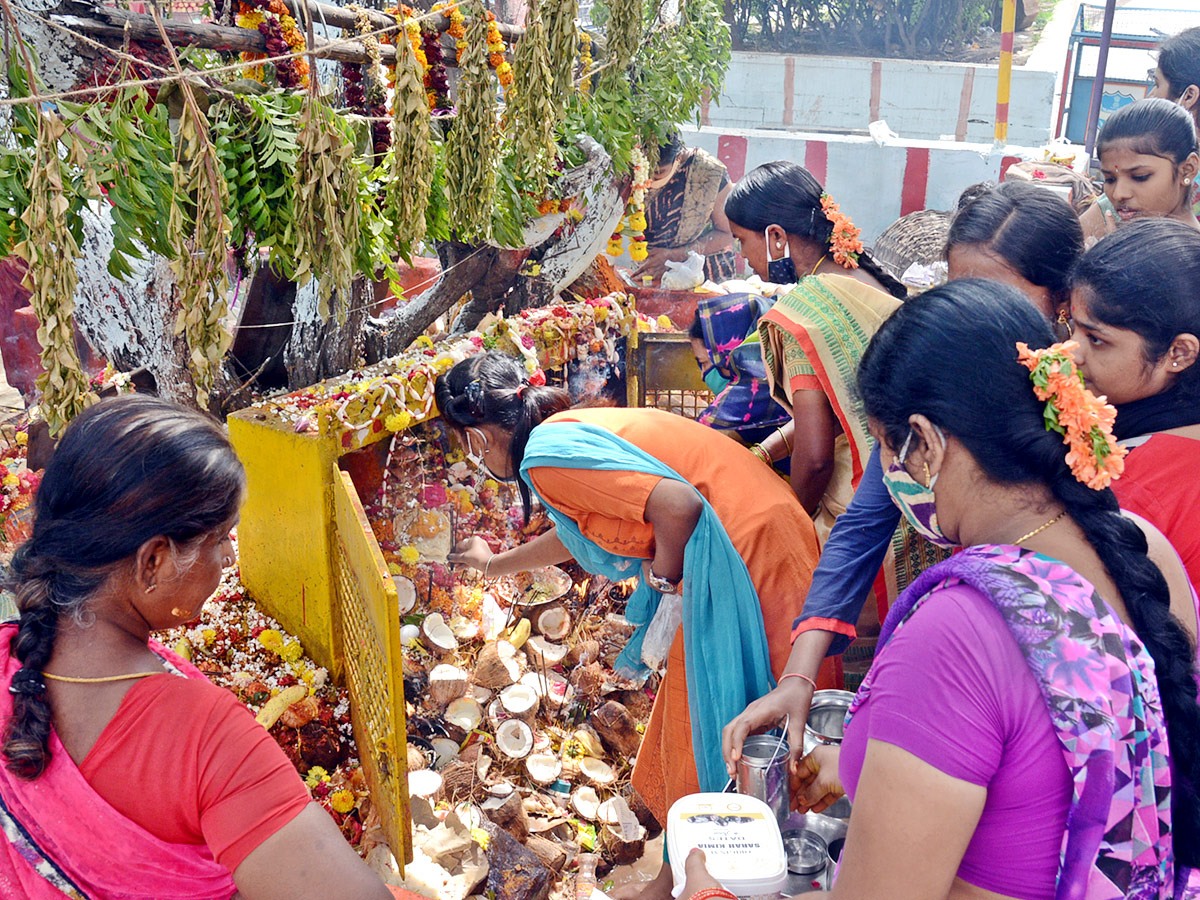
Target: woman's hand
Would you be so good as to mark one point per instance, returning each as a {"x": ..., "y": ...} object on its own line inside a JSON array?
[
  {"x": 789, "y": 700},
  {"x": 473, "y": 552},
  {"x": 697, "y": 877},
  {"x": 816, "y": 784}
]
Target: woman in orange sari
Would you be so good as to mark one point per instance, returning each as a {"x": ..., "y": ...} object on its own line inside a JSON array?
[{"x": 641, "y": 490}]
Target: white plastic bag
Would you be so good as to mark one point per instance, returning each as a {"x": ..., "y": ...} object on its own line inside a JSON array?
[
  {"x": 661, "y": 631},
  {"x": 683, "y": 276}
]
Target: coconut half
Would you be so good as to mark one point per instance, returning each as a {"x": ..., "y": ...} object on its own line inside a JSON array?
[
  {"x": 514, "y": 739},
  {"x": 543, "y": 768},
  {"x": 446, "y": 750},
  {"x": 464, "y": 713},
  {"x": 406, "y": 594},
  {"x": 520, "y": 701},
  {"x": 553, "y": 621},
  {"x": 438, "y": 636},
  {"x": 424, "y": 783},
  {"x": 446, "y": 683},
  {"x": 586, "y": 803},
  {"x": 551, "y": 687},
  {"x": 597, "y": 771},
  {"x": 542, "y": 652}
]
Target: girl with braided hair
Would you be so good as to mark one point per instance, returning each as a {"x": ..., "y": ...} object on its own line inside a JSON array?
[
  {"x": 1030, "y": 727},
  {"x": 126, "y": 773}
]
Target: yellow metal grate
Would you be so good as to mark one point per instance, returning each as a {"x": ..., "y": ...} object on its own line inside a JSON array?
[
  {"x": 687, "y": 403},
  {"x": 368, "y": 611},
  {"x": 663, "y": 375}
]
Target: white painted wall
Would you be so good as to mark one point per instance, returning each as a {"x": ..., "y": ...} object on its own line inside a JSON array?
[
  {"x": 919, "y": 100},
  {"x": 868, "y": 180}
]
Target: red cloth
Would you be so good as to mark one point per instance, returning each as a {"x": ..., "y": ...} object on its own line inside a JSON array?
[
  {"x": 186, "y": 761},
  {"x": 1161, "y": 483}
]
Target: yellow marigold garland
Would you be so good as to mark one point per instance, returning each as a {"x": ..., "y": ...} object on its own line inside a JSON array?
[
  {"x": 1084, "y": 420},
  {"x": 635, "y": 213},
  {"x": 585, "y": 63}
]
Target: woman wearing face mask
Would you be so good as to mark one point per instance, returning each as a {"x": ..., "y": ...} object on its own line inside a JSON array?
[
  {"x": 1177, "y": 78},
  {"x": 643, "y": 491},
  {"x": 1148, "y": 158},
  {"x": 1019, "y": 234},
  {"x": 789, "y": 229},
  {"x": 1136, "y": 318},
  {"x": 1030, "y": 728}
]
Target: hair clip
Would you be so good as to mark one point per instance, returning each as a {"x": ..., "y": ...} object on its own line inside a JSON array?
[
  {"x": 474, "y": 394},
  {"x": 26, "y": 681}
]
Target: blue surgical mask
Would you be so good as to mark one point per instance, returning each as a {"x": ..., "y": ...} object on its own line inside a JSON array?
[
  {"x": 782, "y": 270},
  {"x": 916, "y": 501},
  {"x": 714, "y": 379}
]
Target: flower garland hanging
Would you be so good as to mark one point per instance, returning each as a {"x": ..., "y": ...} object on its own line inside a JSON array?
[
  {"x": 458, "y": 25},
  {"x": 530, "y": 111},
  {"x": 374, "y": 101},
  {"x": 437, "y": 84},
  {"x": 585, "y": 63},
  {"x": 844, "y": 242},
  {"x": 273, "y": 21},
  {"x": 560, "y": 24},
  {"x": 635, "y": 213},
  {"x": 496, "y": 48},
  {"x": 471, "y": 146},
  {"x": 412, "y": 159}
]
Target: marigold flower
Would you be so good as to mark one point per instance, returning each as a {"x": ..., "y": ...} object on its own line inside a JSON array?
[
  {"x": 342, "y": 801},
  {"x": 410, "y": 555}
]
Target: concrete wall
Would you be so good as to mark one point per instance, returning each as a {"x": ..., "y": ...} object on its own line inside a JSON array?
[
  {"x": 874, "y": 184},
  {"x": 919, "y": 100}
]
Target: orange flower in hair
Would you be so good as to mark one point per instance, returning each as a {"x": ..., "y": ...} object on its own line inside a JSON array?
[
  {"x": 1084, "y": 420},
  {"x": 844, "y": 241}
]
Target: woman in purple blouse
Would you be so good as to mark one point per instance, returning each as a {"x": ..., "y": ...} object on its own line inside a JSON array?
[{"x": 1012, "y": 739}]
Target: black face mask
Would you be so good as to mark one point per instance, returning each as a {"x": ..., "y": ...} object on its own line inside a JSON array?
[{"x": 781, "y": 271}]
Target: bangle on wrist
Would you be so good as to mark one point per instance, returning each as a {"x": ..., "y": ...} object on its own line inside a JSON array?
[
  {"x": 783, "y": 437},
  {"x": 487, "y": 565},
  {"x": 783, "y": 678},
  {"x": 660, "y": 584},
  {"x": 761, "y": 452},
  {"x": 709, "y": 893}
]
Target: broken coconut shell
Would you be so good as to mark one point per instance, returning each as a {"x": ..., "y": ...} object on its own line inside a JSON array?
[
  {"x": 446, "y": 683},
  {"x": 514, "y": 739},
  {"x": 496, "y": 666},
  {"x": 544, "y": 768},
  {"x": 438, "y": 637}
]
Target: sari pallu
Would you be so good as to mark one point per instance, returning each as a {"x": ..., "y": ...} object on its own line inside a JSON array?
[
  {"x": 63, "y": 840},
  {"x": 1097, "y": 680},
  {"x": 729, "y": 328},
  {"x": 680, "y": 212},
  {"x": 727, "y": 659}
]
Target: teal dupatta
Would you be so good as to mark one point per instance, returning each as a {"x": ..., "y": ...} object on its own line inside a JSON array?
[{"x": 727, "y": 660}]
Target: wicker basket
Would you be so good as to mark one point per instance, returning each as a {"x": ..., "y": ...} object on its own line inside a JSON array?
[{"x": 919, "y": 237}]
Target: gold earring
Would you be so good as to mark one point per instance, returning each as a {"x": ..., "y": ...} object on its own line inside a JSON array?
[
  {"x": 928, "y": 477},
  {"x": 178, "y": 613}
]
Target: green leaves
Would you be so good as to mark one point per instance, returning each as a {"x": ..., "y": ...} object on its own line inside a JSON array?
[
  {"x": 470, "y": 156},
  {"x": 412, "y": 162}
]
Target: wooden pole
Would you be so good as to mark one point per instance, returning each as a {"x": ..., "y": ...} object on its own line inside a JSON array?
[{"x": 1008, "y": 27}]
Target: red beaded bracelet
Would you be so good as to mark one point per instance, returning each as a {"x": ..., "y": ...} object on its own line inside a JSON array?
[{"x": 713, "y": 892}]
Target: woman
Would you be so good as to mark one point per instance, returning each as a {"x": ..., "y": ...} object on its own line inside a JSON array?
[
  {"x": 1030, "y": 728},
  {"x": 641, "y": 490},
  {"x": 1148, "y": 158},
  {"x": 724, "y": 338},
  {"x": 1137, "y": 321},
  {"x": 1018, "y": 234},
  {"x": 789, "y": 229},
  {"x": 127, "y": 774},
  {"x": 685, "y": 212},
  {"x": 1177, "y": 77}
]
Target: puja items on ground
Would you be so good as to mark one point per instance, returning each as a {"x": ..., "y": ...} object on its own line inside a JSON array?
[
  {"x": 18, "y": 484},
  {"x": 516, "y": 720}
]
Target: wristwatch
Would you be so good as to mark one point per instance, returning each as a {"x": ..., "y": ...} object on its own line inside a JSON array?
[{"x": 660, "y": 584}]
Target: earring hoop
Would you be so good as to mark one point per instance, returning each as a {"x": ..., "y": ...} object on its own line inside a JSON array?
[
  {"x": 928, "y": 477},
  {"x": 152, "y": 589}
]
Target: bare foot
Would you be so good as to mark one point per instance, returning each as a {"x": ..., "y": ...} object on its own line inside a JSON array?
[{"x": 657, "y": 889}]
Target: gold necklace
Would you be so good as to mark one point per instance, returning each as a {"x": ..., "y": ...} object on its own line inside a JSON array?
[
  {"x": 1040, "y": 528},
  {"x": 102, "y": 679}
]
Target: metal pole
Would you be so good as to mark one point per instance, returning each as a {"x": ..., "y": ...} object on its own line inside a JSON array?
[
  {"x": 1110, "y": 8},
  {"x": 1008, "y": 26}
]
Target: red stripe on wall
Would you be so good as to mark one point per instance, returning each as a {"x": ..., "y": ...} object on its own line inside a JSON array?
[
  {"x": 789, "y": 89},
  {"x": 1005, "y": 162},
  {"x": 964, "y": 104},
  {"x": 731, "y": 150},
  {"x": 916, "y": 180},
  {"x": 876, "y": 88},
  {"x": 816, "y": 159}
]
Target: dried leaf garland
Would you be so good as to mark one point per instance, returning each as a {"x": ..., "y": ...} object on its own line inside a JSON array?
[
  {"x": 470, "y": 160},
  {"x": 50, "y": 250},
  {"x": 327, "y": 210},
  {"x": 203, "y": 239},
  {"x": 534, "y": 113},
  {"x": 412, "y": 154},
  {"x": 560, "y": 24},
  {"x": 623, "y": 35}
]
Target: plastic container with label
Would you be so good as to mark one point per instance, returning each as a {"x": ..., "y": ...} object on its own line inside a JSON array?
[{"x": 739, "y": 836}]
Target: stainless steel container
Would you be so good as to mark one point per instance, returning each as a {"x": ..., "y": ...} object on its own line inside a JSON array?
[
  {"x": 762, "y": 772},
  {"x": 807, "y": 852},
  {"x": 826, "y": 718}
]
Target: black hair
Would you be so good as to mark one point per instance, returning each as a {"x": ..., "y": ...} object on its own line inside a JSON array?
[
  {"x": 786, "y": 194},
  {"x": 127, "y": 470},
  {"x": 1179, "y": 61},
  {"x": 971, "y": 193},
  {"x": 493, "y": 389},
  {"x": 670, "y": 149},
  {"x": 1145, "y": 277},
  {"x": 950, "y": 355},
  {"x": 1154, "y": 126},
  {"x": 1034, "y": 231},
  {"x": 696, "y": 329}
]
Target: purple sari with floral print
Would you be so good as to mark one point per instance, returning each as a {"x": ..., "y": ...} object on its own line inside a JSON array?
[{"x": 1098, "y": 683}]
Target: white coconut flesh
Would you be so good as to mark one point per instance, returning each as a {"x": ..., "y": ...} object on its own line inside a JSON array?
[
  {"x": 549, "y": 653},
  {"x": 406, "y": 594},
  {"x": 438, "y": 633},
  {"x": 424, "y": 783},
  {"x": 446, "y": 750},
  {"x": 543, "y": 767},
  {"x": 586, "y": 803},
  {"x": 464, "y": 713},
  {"x": 519, "y": 699},
  {"x": 597, "y": 771},
  {"x": 514, "y": 739}
]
